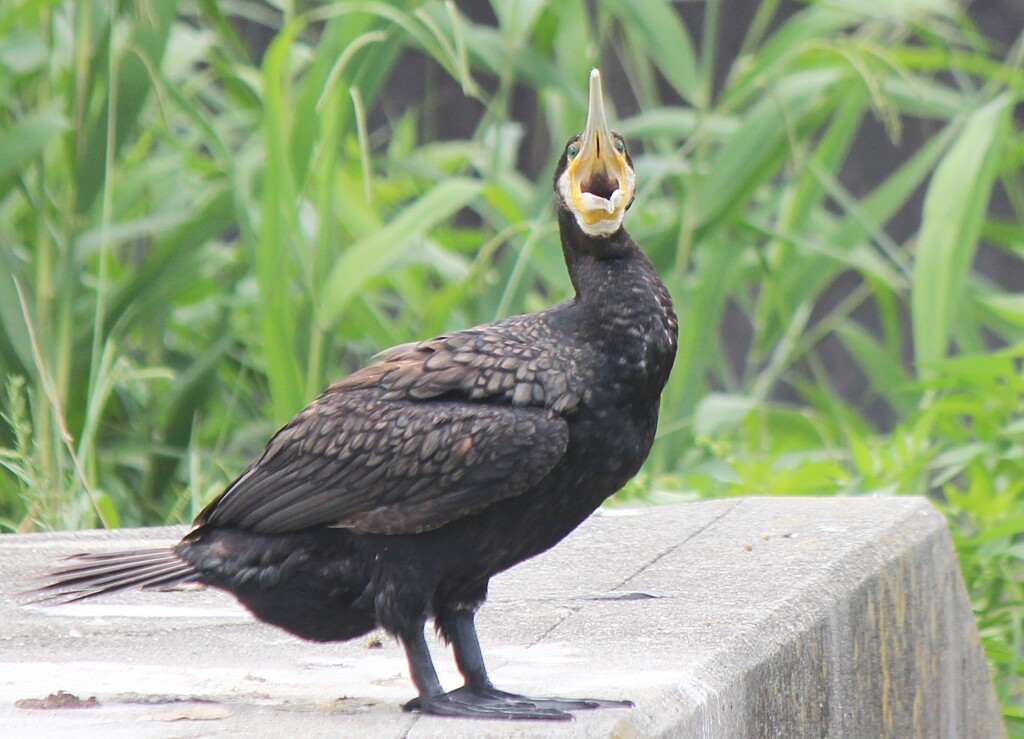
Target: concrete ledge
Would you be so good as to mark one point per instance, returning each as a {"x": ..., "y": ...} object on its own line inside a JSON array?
[{"x": 738, "y": 618}]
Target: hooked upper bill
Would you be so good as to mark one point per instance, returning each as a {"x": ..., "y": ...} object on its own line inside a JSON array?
[{"x": 598, "y": 183}]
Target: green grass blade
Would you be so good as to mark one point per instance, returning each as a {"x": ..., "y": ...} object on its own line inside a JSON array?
[
  {"x": 278, "y": 232},
  {"x": 660, "y": 32},
  {"x": 375, "y": 254},
  {"x": 868, "y": 217},
  {"x": 26, "y": 139},
  {"x": 954, "y": 211},
  {"x": 142, "y": 53},
  {"x": 884, "y": 370},
  {"x": 760, "y": 145}
]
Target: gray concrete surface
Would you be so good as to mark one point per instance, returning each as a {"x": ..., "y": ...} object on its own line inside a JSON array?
[{"x": 735, "y": 618}]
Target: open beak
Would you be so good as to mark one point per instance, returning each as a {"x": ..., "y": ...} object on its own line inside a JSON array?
[{"x": 601, "y": 179}]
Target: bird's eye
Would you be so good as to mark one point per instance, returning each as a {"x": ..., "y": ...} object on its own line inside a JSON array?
[
  {"x": 620, "y": 146},
  {"x": 573, "y": 151}
]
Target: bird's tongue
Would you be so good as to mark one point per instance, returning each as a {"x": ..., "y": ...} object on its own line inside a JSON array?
[{"x": 600, "y": 193}]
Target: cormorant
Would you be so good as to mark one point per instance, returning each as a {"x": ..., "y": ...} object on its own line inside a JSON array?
[{"x": 397, "y": 494}]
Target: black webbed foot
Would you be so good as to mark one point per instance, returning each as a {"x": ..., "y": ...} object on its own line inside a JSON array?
[
  {"x": 489, "y": 702},
  {"x": 478, "y": 698},
  {"x": 559, "y": 704}
]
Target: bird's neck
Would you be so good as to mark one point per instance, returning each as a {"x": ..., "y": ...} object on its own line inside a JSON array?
[
  {"x": 588, "y": 258},
  {"x": 622, "y": 301},
  {"x": 609, "y": 273}
]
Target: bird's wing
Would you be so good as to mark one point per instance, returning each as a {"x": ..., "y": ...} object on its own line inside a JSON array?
[
  {"x": 397, "y": 447},
  {"x": 514, "y": 362}
]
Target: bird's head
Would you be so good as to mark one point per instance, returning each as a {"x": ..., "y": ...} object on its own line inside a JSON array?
[{"x": 594, "y": 178}]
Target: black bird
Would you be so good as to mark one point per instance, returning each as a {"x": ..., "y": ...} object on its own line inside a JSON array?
[{"x": 397, "y": 494}]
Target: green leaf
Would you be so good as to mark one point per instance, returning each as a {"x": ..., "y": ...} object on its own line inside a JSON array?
[
  {"x": 954, "y": 210},
  {"x": 676, "y": 122},
  {"x": 657, "y": 28},
  {"x": 719, "y": 412},
  {"x": 21, "y": 53},
  {"x": 1008, "y": 306},
  {"x": 182, "y": 403},
  {"x": 15, "y": 345},
  {"x": 279, "y": 230},
  {"x": 23, "y": 141},
  {"x": 374, "y": 255},
  {"x": 884, "y": 370},
  {"x": 516, "y": 17},
  {"x": 761, "y": 144},
  {"x": 870, "y": 215},
  {"x": 141, "y": 52},
  {"x": 107, "y": 509}
]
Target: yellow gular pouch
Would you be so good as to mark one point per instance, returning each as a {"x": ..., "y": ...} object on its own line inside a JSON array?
[
  {"x": 599, "y": 182},
  {"x": 601, "y": 190}
]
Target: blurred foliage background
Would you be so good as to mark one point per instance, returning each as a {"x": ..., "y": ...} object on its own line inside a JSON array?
[{"x": 208, "y": 211}]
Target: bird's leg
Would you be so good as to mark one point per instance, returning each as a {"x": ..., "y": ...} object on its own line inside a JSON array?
[
  {"x": 464, "y": 701},
  {"x": 459, "y": 628},
  {"x": 421, "y": 666}
]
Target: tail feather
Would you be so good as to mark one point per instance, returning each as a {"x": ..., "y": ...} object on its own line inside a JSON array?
[
  {"x": 88, "y": 575},
  {"x": 119, "y": 579}
]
